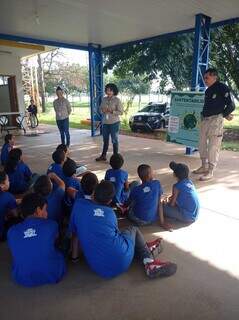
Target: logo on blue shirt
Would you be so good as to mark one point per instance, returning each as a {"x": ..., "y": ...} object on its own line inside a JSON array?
[
  {"x": 146, "y": 189},
  {"x": 29, "y": 233},
  {"x": 99, "y": 212}
]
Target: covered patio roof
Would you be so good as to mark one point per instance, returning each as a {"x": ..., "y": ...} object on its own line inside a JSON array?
[{"x": 106, "y": 22}]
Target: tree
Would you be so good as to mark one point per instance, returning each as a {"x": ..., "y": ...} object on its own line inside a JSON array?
[
  {"x": 132, "y": 86},
  {"x": 41, "y": 84},
  {"x": 225, "y": 55},
  {"x": 169, "y": 59}
]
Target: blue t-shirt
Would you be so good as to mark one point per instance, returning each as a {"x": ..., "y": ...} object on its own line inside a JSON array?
[
  {"x": 55, "y": 204},
  {"x": 36, "y": 261},
  {"x": 187, "y": 199},
  {"x": 19, "y": 179},
  {"x": 144, "y": 200},
  {"x": 7, "y": 203},
  {"x": 118, "y": 178},
  {"x": 72, "y": 182},
  {"x": 6, "y": 148},
  {"x": 57, "y": 169},
  {"x": 107, "y": 251}
]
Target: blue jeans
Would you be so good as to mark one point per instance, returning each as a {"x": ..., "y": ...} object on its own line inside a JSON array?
[
  {"x": 140, "y": 247},
  {"x": 174, "y": 213},
  {"x": 113, "y": 131},
  {"x": 63, "y": 126}
]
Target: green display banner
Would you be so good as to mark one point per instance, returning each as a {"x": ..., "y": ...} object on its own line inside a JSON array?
[{"x": 185, "y": 117}]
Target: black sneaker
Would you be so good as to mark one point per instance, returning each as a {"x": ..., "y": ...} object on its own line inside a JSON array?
[{"x": 101, "y": 158}]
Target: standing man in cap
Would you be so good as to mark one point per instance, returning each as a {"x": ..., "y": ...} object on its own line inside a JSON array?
[{"x": 217, "y": 106}]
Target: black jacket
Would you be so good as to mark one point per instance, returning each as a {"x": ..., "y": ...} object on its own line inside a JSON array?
[{"x": 218, "y": 100}]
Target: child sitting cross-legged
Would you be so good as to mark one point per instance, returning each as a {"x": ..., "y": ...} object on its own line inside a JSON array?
[
  {"x": 54, "y": 196},
  {"x": 8, "y": 204},
  {"x": 6, "y": 148},
  {"x": 20, "y": 175},
  {"x": 119, "y": 178},
  {"x": 72, "y": 183},
  {"x": 144, "y": 199},
  {"x": 59, "y": 158},
  {"x": 36, "y": 261},
  {"x": 80, "y": 169},
  {"x": 88, "y": 184},
  {"x": 183, "y": 205},
  {"x": 109, "y": 251}
]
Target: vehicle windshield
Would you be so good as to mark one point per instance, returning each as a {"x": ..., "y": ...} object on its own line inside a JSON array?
[{"x": 154, "y": 108}]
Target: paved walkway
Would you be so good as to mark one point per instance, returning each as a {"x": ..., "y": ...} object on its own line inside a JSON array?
[{"x": 206, "y": 285}]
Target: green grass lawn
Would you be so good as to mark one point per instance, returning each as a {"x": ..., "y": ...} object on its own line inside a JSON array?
[{"x": 81, "y": 111}]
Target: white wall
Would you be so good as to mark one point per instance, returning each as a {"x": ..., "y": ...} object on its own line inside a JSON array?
[{"x": 10, "y": 65}]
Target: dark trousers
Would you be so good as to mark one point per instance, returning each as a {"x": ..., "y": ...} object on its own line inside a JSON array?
[
  {"x": 113, "y": 131},
  {"x": 63, "y": 126},
  {"x": 141, "y": 249}
]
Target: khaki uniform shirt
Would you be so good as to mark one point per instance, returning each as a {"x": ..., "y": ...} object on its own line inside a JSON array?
[
  {"x": 115, "y": 105},
  {"x": 62, "y": 108}
]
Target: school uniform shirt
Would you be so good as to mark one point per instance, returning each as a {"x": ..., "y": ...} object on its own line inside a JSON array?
[
  {"x": 55, "y": 204},
  {"x": 144, "y": 200},
  {"x": 19, "y": 179},
  {"x": 6, "y": 148},
  {"x": 57, "y": 169},
  {"x": 7, "y": 203},
  {"x": 107, "y": 251},
  {"x": 118, "y": 178},
  {"x": 187, "y": 200},
  {"x": 36, "y": 261},
  {"x": 72, "y": 182}
]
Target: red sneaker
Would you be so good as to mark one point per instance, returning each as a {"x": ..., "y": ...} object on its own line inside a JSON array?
[
  {"x": 155, "y": 245},
  {"x": 159, "y": 268}
]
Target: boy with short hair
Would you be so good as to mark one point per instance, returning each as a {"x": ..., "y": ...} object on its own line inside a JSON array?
[
  {"x": 119, "y": 178},
  {"x": 80, "y": 169},
  {"x": 183, "y": 205},
  {"x": 108, "y": 251},
  {"x": 73, "y": 185},
  {"x": 7, "y": 147},
  {"x": 20, "y": 175},
  {"x": 59, "y": 157},
  {"x": 88, "y": 184},
  {"x": 36, "y": 261},
  {"x": 8, "y": 203},
  {"x": 54, "y": 196},
  {"x": 144, "y": 199}
]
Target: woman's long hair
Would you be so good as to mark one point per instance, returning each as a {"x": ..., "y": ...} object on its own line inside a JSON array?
[{"x": 14, "y": 157}]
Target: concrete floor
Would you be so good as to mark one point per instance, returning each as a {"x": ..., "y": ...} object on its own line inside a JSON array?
[{"x": 206, "y": 285}]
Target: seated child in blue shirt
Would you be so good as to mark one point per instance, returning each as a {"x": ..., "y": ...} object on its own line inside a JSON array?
[
  {"x": 144, "y": 199},
  {"x": 8, "y": 203},
  {"x": 53, "y": 196},
  {"x": 183, "y": 204},
  {"x": 108, "y": 251},
  {"x": 6, "y": 148},
  {"x": 36, "y": 261},
  {"x": 20, "y": 175},
  {"x": 119, "y": 178},
  {"x": 59, "y": 158},
  {"x": 80, "y": 169},
  {"x": 88, "y": 184},
  {"x": 72, "y": 183}
]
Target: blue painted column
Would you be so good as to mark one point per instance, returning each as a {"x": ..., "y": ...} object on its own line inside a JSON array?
[
  {"x": 200, "y": 56},
  {"x": 96, "y": 86}
]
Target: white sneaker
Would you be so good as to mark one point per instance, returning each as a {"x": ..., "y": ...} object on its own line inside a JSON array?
[
  {"x": 207, "y": 176},
  {"x": 201, "y": 170}
]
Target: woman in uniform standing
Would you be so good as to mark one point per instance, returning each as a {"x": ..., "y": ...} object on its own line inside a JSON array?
[
  {"x": 111, "y": 108},
  {"x": 62, "y": 109}
]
